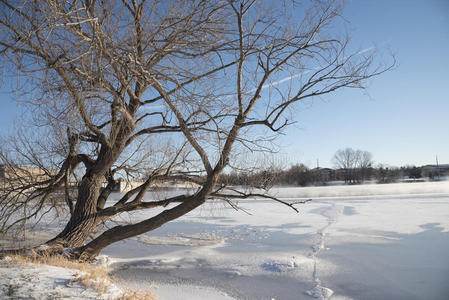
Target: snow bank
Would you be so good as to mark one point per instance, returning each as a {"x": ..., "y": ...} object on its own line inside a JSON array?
[{"x": 32, "y": 281}]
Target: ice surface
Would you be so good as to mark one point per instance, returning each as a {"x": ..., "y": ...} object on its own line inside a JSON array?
[
  {"x": 189, "y": 292},
  {"x": 364, "y": 190},
  {"x": 275, "y": 253},
  {"x": 349, "y": 242}
]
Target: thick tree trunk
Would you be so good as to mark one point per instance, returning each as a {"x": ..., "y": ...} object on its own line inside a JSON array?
[
  {"x": 84, "y": 219},
  {"x": 93, "y": 248}
]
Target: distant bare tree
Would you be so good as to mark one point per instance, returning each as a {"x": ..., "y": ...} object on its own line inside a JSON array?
[
  {"x": 157, "y": 91},
  {"x": 345, "y": 159},
  {"x": 364, "y": 165},
  {"x": 355, "y": 164}
]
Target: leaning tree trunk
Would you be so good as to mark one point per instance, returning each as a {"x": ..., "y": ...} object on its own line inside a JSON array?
[
  {"x": 84, "y": 218},
  {"x": 117, "y": 233}
]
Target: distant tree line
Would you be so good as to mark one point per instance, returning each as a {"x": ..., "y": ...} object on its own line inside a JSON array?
[{"x": 351, "y": 167}]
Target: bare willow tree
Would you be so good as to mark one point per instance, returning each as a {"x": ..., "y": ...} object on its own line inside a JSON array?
[{"x": 156, "y": 91}]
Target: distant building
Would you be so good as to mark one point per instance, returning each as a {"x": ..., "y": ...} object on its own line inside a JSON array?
[
  {"x": 324, "y": 174},
  {"x": 435, "y": 171},
  {"x": 8, "y": 172}
]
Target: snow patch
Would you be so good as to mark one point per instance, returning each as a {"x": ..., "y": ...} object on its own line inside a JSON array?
[
  {"x": 31, "y": 281},
  {"x": 281, "y": 266},
  {"x": 320, "y": 292},
  {"x": 200, "y": 239}
]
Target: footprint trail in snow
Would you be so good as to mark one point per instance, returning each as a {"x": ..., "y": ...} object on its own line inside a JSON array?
[{"x": 331, "y": 212}]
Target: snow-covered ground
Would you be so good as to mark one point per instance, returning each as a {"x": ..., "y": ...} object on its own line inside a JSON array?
[
  {"x": 36, "y": 281},
  {"x": 349, "y": 242}
]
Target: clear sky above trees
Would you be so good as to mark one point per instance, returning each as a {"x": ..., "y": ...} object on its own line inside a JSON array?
[{"x": 404, "y": 117}]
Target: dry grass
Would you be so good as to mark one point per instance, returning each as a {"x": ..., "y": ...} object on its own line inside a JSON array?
[
  {"x": 90, "y": 276},
  {"x": 96, "y": 278},
  {"x": 51, "y": 260},
  {"x": 138, "y": 295}
]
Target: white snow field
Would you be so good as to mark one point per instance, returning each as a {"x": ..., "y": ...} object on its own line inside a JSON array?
[
  {"x": 32, "y": 281},
  {"x": 350, "y": 242}
]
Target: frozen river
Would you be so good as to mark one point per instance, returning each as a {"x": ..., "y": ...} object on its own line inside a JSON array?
[{"x": 363, "y": 242}]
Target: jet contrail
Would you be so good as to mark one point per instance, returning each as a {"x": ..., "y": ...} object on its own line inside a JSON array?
[
  {"x": 298, "y": 75},
  {"x": 279, "y": 81}
]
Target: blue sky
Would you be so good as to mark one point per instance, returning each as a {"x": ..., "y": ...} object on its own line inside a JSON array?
[{"x": 404, "y": 119}]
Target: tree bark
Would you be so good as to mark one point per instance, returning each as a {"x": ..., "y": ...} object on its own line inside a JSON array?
[
  {"x": 93, "y": 248},
  {"x": 84, "y": 219}
]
